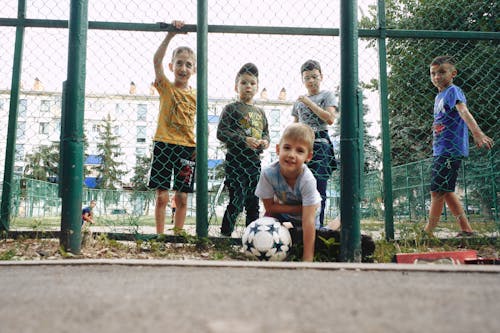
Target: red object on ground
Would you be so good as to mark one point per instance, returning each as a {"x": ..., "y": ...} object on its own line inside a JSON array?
[{"x": 430, "y": 257}]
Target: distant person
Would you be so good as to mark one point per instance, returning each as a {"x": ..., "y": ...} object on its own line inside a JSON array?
[
  {"x": 173, "y": 205},
  {"x": 243, "y": 128},
  {"x": 174, "y": 151},
  {"x": 452, "y": 121},
  {"x": 287, "y": 187},
  {"x": 317, "y": 109},
  {"x": 88, "y": 214}
]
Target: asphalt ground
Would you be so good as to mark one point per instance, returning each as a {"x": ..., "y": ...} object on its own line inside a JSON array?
[{"x": 217, "y": 296}]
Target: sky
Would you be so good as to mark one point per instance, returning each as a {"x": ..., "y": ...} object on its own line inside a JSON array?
[{"x": 116, "y": 58}]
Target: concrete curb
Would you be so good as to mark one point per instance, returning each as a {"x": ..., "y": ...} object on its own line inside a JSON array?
[{"x": 495, "y": 269}]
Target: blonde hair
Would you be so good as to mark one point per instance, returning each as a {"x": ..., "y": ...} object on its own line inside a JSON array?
[
  {"x": 299, "y": 132},
  {"x": 181, "y": 49}
]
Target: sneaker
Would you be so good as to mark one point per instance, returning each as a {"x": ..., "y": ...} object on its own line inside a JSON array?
[{"x": 466, "y": 234}]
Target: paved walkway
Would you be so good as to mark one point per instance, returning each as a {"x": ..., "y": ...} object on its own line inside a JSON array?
[{"x": 239, "y": 297}]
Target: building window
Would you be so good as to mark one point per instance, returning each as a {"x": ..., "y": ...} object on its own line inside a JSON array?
[
  {"x": 274, "y": 136},
  {"x": 19, "y": 152},
  {"x": 141, "y": 134},
  {"x": 118, "y": 109},
  {"x": 23, "y": 108},
  {"x": 43, "y": 128},
  {"x": 21, "y": 130},
  {"x": 140, "y": 151},
  {"x": 142, "y": 112},
  {"x": 275, "y": 116},
  {"x": 44, "y": 106}
]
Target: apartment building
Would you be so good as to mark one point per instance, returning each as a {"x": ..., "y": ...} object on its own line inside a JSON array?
[{"x": 133, "y": 116}]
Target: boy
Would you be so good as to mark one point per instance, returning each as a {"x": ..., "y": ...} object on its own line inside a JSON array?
[
  {"x": 318, "y": 110},
  {"x": 174, "y": 141},
  {"x": 88, "y": 214},
  {"x": 287, "y": 187},
  {"x": 452, "y": 120},
  {"x": 243, "y": 128}
]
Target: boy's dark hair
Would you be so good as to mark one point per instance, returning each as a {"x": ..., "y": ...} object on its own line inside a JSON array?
[
  {"x": 446, "y": 59},
  {"x": 248, "y": 68},
  {"x": 309, "y": 65}
]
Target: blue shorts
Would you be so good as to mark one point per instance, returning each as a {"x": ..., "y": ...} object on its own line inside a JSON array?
[
  {"x": 323, "y": 162},
  {"x": 445, "y": 173},
  {"x": 168, "y": 160}
]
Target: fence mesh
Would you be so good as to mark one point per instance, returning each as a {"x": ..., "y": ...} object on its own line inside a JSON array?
[{"x": 122, "y": 105}]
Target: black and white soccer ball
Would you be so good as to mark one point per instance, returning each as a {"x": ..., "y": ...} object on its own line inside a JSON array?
[{"x": 266, "y": 239}]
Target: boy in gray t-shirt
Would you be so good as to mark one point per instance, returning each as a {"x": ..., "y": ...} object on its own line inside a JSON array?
[
  {"x": 318, "y": 109},
  {"x": 287, "y": 187}
]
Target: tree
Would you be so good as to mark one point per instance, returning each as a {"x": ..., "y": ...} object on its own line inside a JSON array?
[
  {"x": 139, "y": 182},
  {"x": 141, "y": 171},
  {"x": 411, "y": 93},
  {"x": 109, "y": 171},
  {"x": 43, "y": 163}
]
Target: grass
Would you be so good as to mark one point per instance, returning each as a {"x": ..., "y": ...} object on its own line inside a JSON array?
[{"x": 410, "y": 239}]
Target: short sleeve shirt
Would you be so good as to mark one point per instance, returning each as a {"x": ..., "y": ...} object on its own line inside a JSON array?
[
  {"x": 304, "y": 115},
  {"x": 177, "y": 116},
  {"x": 273, "y": 185},
  {"x": 450, "y": 132}
]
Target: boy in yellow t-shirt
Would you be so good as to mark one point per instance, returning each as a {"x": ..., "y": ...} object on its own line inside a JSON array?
[{"x": 174, "y": 142}]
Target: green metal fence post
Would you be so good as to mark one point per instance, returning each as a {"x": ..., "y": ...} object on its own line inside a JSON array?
[
  {"x": 10, "y": 149},
  {"x": 350, "y": 247},
  {"x": 202, "y": 123},
  {"x": 384, "y": 116},
  {"x": 72, "y": 129}
]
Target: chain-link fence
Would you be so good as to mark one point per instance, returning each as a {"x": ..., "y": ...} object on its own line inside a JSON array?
[{"x": 122, "y": 103}]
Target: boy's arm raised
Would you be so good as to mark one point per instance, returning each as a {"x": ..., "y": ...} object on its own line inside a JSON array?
[
  {"x": 162, "y": 49},
  {"x": 481, "y": 139}
]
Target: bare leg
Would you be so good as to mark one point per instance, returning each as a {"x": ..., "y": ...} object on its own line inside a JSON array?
[
  {"x": 457, "y": 210},
  {"x": 180, "y": 211},
  {"x": 437, "y": 204},
  {"x": 161, "y": 205}
]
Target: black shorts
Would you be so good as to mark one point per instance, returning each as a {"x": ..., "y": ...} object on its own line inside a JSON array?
[
  {"x": 168, "y": 160},
  {"x": 445, "y": 173}
]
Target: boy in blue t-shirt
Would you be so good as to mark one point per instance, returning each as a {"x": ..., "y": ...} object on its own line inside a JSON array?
[
  {"x": 88, "y": 214},
  {"x": 452, "y": 120}
]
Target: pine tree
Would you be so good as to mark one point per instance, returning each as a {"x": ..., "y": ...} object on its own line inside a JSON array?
[
  {"x": 109, "y": 171},
  {"x": 42, "y": 164}
]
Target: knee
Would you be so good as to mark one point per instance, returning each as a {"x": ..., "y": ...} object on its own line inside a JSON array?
[
  {"x": 181, "y": 200},
  {"x": 161, "y": 200}
]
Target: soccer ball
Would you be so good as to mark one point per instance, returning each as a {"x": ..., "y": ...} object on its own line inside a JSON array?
[{"x": 266, "y": 239}]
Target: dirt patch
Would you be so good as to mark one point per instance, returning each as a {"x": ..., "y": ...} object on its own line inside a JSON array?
[{"x": 103, "y": 248}]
